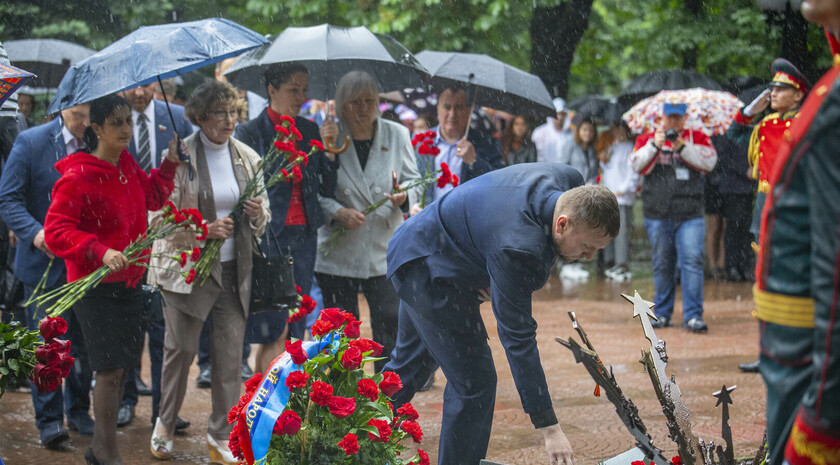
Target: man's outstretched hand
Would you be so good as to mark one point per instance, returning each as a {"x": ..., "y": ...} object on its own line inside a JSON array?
[{"x": 558, "y": 447}]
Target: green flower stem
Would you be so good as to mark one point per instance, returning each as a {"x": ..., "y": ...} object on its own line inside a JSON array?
[{"x": 339, "y": 232}]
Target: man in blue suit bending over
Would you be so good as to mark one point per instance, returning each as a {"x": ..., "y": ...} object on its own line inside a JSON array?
[{"x": 495, "y": 237}]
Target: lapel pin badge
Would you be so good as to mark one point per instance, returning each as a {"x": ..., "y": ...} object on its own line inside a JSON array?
[
  {"x": 161, "y": 128},
  {"x": 383, "y": 149}
]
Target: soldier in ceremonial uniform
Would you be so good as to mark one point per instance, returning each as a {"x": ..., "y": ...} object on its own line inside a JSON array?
[
  {"x": 786, "y": 92},
  {"x": 797, "y": 282},
  {"x": 815, "y": 434}
]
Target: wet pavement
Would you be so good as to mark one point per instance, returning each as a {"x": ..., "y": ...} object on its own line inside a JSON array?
[{"x": 701, "y": 364}]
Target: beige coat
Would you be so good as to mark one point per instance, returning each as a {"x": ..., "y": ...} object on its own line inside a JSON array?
[
  {"x": 164, "y": 271},
  {"x": 361, "y": 253}
]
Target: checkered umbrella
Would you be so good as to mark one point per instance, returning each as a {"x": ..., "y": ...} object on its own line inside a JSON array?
[{"x": 709, "y": 111}]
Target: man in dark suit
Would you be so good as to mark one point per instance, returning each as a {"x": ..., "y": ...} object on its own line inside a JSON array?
[
  {"x": 27, "y": 180},
  {"x": 494, "y": 238},
  {"x": 468, "y": 157},
  {"x": 153, "y": 129}
]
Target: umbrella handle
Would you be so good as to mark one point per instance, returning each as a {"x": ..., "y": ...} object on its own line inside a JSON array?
[{"x": 329, "y": 141}]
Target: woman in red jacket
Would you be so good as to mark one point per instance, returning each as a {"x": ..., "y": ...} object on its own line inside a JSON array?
[{"x": 98, "y": 207}]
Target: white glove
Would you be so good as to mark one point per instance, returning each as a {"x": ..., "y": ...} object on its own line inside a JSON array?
[{"x": 758, "y": 105}]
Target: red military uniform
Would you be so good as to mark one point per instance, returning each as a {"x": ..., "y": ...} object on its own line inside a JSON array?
[{"x": 765, "y": 142}]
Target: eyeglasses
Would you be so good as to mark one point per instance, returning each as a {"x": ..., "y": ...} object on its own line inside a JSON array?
[{"x": 221, "y": 114}]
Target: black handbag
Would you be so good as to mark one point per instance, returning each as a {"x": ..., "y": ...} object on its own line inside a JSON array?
[{"x": 273, "y": 279}]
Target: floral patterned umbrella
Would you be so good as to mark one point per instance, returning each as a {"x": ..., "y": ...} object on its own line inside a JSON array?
[{"x": 709, "y": 111}]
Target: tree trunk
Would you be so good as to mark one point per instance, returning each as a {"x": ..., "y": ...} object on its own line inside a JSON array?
[
  {"x": 555, "y": 34},
  {"x": 693, "y": 9}
]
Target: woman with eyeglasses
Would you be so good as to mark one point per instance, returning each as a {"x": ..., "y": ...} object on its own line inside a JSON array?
[{"x": 222, "y": 166}]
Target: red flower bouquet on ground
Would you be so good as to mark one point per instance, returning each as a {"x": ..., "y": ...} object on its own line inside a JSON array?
[{"x": 334, "y": 412}]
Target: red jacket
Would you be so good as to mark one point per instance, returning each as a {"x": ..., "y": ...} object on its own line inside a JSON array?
[{"x": 92, "y": 210}]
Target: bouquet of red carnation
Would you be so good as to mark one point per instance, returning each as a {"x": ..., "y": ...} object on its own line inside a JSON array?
[
  {"x": 282, "y": 163},
  {"x": 137, "y": 253},
  {"x": 335, "y": 413},
  {"x": 424, "y": 143},
  {"x": 305, "y": 306},
  {"x": 24, "y": 356}
]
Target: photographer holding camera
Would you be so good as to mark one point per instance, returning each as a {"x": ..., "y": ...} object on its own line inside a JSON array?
[{"x": 672, "y": 160}]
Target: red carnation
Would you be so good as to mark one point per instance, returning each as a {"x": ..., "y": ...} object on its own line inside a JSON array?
[
  {"x": 296, "y": 133},
  {"x": 233, "y": 440},
  {"x": 351, "y": 358},
  {"x": 408, "y": 411},
  {"x": 190, "y": 277},
  {"x": 455, "y": 181},
  {"x": 431, "y": 134},
  {"x": 253, "y": 383},
  {"x": 287, "y": 423},
  {"x": 196, "y": 254},
  {"x": 445, "y": 176},
  {"x": 342, "y": 407},
  {"x": 237, "y": 409},
  {"x": 413, "y": 428},
  {"x": 297, "y": 379},
  {"x": 321, "y": 393},
  {"x": 287, "y": 119},
  {"x": 52, "y": 327},
  {"x": 367, "y": 388},
  {"x": 285, "y": 173},
  {"x": 424, "y": 457},
  {"x": 334, "y": 316},
  {"x": 317, "y": 144},
  {"x": 46, "y": 378},
  {"x": 321, "y": 327},
  {"x": 676, "y": 460},
  {"x": 203, "y": 234},
  {"x": 183, "y": 260},
  {"x": 283, "y": 131},
  {"x": 307, "y": 304},
  {"x": 390, "y": 384},
  {"x": 295, "y": 316},
  {"x": 295, "y": 349},
  {"x": 352, "y": 329},
  {"x": 297, "y": 289},
  {"x": 350, "y": 444},
  {"x": 296, "y": 173},
  {"x": 383, "y": 429}
]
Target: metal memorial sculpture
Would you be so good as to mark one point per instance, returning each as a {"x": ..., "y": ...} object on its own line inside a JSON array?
[{"x": 692, "y": 449}]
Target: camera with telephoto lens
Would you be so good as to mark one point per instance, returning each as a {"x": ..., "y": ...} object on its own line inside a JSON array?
[{"x": 671, "y": 135}]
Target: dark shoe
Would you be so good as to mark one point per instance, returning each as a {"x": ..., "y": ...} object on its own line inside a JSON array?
[
  {"x": 90, "y": 458},
  {"x": 696, "y": 325},
  {"x": 142, "y": 388},
  {"x": 83, "y": 424},
  {"x": 661, "y": 322},
  {"x": 430, "y": 382},
  {"x": 203, "y": 379},
  {"x": 247, "y": 373},
  {"x": 751, "y": 367},
  {"x": 180, "y": 424},
  {"x": 125, "y": 415},
  {"x": 54, "y": 437}
]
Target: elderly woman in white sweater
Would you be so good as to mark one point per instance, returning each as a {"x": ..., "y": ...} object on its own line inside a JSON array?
[{"x": 379, "y": 150}]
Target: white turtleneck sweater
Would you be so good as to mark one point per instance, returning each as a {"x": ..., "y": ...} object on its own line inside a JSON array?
[{"x": 225, "y": 188}]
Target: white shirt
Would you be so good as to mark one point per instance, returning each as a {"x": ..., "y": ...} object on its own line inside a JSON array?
[
  {"x": 150, "y": 125},
  {"x": 618, "y": 176},
  {"x": 549, "y": 140},
  {"x": 71, "y": 144},
  {"x": 225, "y": 187},
  {"x": 449, "y": 156}
]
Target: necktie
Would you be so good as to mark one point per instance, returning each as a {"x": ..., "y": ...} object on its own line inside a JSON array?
[{"x": 144, "y": 155}]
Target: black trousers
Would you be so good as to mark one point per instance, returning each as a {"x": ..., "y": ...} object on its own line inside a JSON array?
[
  {"x": 737, "y": 211},
  {"x": 343, "y": 293}
]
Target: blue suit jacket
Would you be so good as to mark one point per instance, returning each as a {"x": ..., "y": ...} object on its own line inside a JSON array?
[
  {"x": 162, "y": 121},
  {"x": 319, "y": 175},
  {"x": 25, "y": 195},
  {"x": 488, "y": 157},
  {"x": 494, "y": 231}
]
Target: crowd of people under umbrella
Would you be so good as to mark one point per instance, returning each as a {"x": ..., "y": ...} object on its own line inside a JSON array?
[{"x": 114, "y": 152}]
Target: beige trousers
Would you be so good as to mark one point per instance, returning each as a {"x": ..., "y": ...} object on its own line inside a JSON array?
[{"x": 227, "y": 331}]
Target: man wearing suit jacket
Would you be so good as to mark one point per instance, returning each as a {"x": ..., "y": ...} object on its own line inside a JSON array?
[
  {"x": 27, "y": 180},
  {"x": 153, "y": 129},
  {"x": 468, "y": 157},
  {"x": 495, "y": 237}
]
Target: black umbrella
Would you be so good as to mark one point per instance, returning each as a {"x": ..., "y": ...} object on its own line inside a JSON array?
[
  {"x": 599, "y": 108},
  {"x": 329, "y": 52},
  {"x": 49, "y": 59},
  {"x": 491, "y": 82},
  {"x": 651, "y": 83}
]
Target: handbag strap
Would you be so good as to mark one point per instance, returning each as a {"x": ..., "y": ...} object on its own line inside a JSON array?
[{"x": 268, "y": 236}]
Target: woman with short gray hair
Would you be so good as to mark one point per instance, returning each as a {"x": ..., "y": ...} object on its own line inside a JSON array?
[{"x": 379, "y": 157}]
